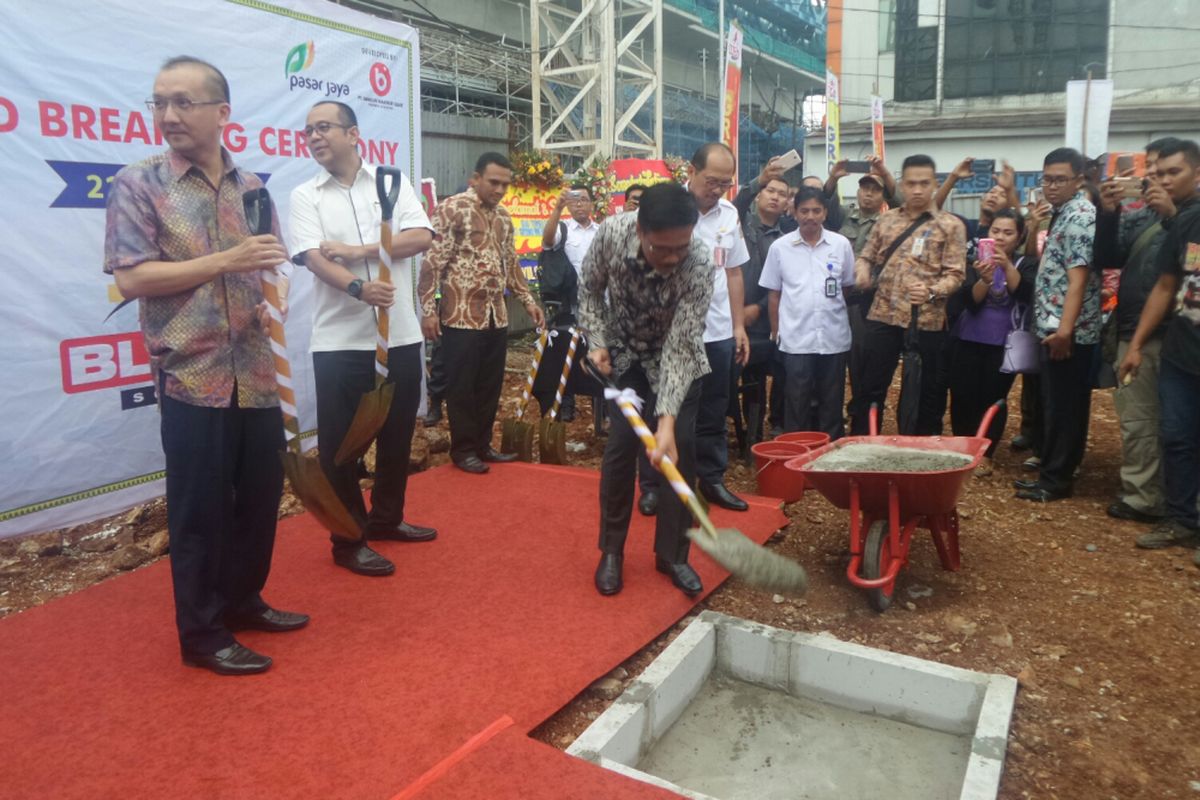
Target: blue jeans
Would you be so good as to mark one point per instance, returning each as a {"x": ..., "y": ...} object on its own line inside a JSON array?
[{"x": 1179, "y": 402}]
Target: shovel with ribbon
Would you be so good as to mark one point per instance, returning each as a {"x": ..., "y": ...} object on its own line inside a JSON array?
[
  {"x": 729, "y": 547},
  {"x": 373, "y": 408},
  {"x": 305, "y": 475},
  {"x": 516, "y": 435},
  {"x": 552, "y": 437}
]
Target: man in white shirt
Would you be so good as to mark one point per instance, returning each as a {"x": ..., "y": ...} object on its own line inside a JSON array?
[
  {"x": 710, "y": 176},
  {"x": 335, "y": 221},
  {"x": 807, "y": 272}
]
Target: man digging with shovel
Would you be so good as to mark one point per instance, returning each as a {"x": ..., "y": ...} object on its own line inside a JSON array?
[{"x": 335, "y": 232}]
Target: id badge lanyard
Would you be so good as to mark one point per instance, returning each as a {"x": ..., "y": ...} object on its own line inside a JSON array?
[{"x": 831, "y": 283}]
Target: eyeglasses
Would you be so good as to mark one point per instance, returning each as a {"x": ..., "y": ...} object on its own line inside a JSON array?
[
  {"x": 159, "y": 105},
  {"x": 1057, "y": 180},
  {"x": 680, "y": 251},
  {"x": 323, "y": 128},
  {"x": 714, "y": 184}
]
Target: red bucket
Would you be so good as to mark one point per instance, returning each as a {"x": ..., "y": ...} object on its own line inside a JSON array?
[
  {"x": 774, "y": 479},
  {"x": 813, "y": 439}
]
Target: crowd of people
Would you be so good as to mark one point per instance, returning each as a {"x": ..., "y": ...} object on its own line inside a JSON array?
[{"x": 693, "y": 302}]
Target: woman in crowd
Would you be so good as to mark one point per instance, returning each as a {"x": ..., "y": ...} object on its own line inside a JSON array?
[{"x": 992, "y": 298}]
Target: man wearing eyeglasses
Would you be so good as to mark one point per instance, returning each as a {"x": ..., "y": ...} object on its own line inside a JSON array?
[
  {"x": 1067, "y": 317},
  {"x": 177, "y": 239},
  {"x": 335, "y": 218},
  {"x": 646, "y": 289}
]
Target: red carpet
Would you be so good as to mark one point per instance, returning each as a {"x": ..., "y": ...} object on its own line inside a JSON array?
[{"x": 392, "y": 678}]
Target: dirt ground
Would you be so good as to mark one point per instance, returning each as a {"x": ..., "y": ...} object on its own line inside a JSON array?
[{"x": 1102, "y": 636}]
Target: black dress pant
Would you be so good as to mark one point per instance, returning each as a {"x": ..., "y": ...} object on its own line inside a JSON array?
[
  {"x": 342, "y": 378},
  {"x": 437, "y": 374},
  {"x": 620, "y": 464},
  {"x": 224, "y": 481},
  {"x": 1031, "y": 410},
  {"x": 818, "y": 380},
  {"x": 976, "y": 382},
  {"x": 712, "y": 431},
  {"x": 1066, "y": 407},
  {"x": 475, "y": 375},
  {"x": 883, "y": 345}
]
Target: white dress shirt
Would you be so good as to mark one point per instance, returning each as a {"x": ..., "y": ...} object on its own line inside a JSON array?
[
  {"x": 325, "y": 210},
  {"x": 810, "y": 321},
  {"x": 579, "y": 240},
  {"x": 721, "y": 229}
]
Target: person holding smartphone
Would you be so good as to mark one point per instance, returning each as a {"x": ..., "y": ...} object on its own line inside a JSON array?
[{"x": 994, "y": 289}]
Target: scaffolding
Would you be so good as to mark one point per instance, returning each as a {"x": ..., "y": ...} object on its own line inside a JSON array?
[{"x": 582, "y": 51}]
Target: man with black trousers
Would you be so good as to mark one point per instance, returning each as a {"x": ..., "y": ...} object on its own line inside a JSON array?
[
  {"x": 1178, "y": 289},
  {"x": 177, "y": 239},
  {"x": 646, "y": 290},
  {"x": 915, "y": 258},
  {"x": 472, "y": 262},
  {"x": 1066, "y": 315},
  {"x": 335, "y": 220}
]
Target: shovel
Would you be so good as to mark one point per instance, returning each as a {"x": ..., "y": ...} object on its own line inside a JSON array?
[
  {"x": 729, "y": 547},
  {"x": 373, "y": 407},
  {"x": 552, "y": 438},
  {"x": 307, "y": 479},
  {"x": 516, "y": 436}
]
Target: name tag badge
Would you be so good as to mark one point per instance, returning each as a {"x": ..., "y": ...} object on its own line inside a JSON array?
[
  {"x": 831, "y": 286},
  {"x": 720, "y": 256},
  {"x": 918, "y": 248}
]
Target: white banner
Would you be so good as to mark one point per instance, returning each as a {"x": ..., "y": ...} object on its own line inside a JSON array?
[
  {"x": 1089, "y": 105},
  {"x": 79, "y": 437}
]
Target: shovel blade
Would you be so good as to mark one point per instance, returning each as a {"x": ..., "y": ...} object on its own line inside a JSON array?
[
  {"x": 368, "y": 421},
  {"x": 312, "y": 487},
  {"x": 552, "y": 442},
  {"x": 517, "y": 437}
]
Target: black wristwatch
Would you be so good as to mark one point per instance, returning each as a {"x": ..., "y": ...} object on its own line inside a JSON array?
[{"x": 355, "y": 289}]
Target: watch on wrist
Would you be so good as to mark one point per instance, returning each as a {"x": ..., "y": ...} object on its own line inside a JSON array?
[{"x": 355, "y": 288}]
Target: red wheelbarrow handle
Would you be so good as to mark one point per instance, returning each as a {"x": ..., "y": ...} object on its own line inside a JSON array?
[{"x": 992, "y": 411}]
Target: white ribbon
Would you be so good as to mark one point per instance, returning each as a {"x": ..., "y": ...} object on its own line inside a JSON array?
[{"x": 627, "y": 394}]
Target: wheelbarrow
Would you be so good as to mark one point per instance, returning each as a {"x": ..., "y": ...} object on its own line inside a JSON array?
[{"x": 887, "y": 507}]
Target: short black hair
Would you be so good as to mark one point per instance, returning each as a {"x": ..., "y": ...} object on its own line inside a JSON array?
[
  {"x": 700, "y": 157},
  {"x": 918, "y": 160},
  {"x": 774, "y": 180},
  {"x": 1010, "y": 213},
  {"x": 1066, "y": 155},
  {"x": 665, "y": 206},
  {"x": 634, "y": 187},
  {"x": 217, "y": 84},
  {"x": 583, "y": 187},
  {"x": 491, "y": 157},
  {"x": 346, "y": 114},
  {"x": 806, "y": 193},
  {"x": 1191, "y": 153},
  {"x": 1158, "y": 144}
]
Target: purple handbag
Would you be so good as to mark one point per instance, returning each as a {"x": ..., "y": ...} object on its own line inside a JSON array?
[{"x": 1022, "y": 348}]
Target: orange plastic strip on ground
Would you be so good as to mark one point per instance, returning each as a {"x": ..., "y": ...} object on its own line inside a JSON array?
[{"x": 442, "y": 767}]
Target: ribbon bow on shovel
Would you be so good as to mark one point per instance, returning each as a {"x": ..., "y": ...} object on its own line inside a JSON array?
[
  {"x": 729, "y": 547},
  {"x": 308, "y": 481}
]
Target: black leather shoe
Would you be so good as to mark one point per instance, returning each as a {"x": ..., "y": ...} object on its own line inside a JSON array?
[
  {"x": 233, "y": 660},
  {"x": 608, "y": 574},
  {"x": 648, "y": 503},
  {"x": 682, "y": 575},
  {"x": 1024, "y": 486},
  {"x": 360, "y": 559},
  {"x": 472, "y": 464},
  {"x": 717, "y": 493},
  {"x": 435, "y": 414},
  {"x": 1122, "y": 510},
  {"x": 494, "y": 456},
  {"x": 1020, "y": 443},
  {"x": 270, "y": 620},
  {"x": 402, "y": 533},
  {"x": 1040, "y": 495}
]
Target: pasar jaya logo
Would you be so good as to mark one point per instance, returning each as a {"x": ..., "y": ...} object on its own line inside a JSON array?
[
  {"x": 381, "y": 78},
  {"x": 299, "y": 58}
]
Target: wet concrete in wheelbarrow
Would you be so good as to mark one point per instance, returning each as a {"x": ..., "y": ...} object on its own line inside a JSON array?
[{"x": 887, "y": 458}]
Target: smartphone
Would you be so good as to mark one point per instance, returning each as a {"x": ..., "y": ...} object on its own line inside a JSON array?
[
  {"x": 576, "y": 194},
  {"x": 1035, "y": 196},
  {"x": 983, "y": 166},
  {"x": 1132, "y": 187},
  {"x": 1113, "y": 165},
  {"x": 789, "y": 160},
  {"x": 858, "y": 167}
]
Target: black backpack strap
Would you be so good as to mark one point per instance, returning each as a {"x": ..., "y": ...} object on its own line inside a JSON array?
[{"x": 899, "y": 240}]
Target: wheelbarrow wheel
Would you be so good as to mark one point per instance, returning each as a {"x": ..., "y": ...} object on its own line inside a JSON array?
[{"x": 877, "y": 557}]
